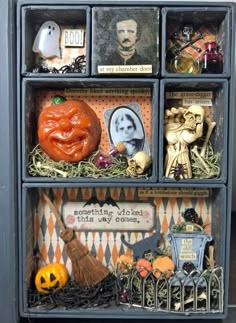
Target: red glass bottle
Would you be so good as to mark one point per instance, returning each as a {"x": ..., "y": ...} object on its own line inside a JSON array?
[{"x": 212, "y": 59}]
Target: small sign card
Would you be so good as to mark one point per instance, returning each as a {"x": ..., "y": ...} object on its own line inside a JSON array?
[
  {"x": 109, "y": 215},
  {"x": 73, "y": 37}
]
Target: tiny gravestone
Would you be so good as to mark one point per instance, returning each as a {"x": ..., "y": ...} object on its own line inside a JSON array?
[{"x": 188, "y": 248}]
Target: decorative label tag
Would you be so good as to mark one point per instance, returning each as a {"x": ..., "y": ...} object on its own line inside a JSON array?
[
  {"x": 189, "y": 228},
  {"x": 187, "y": 242},
  {"x": 186, "y": 248},
  {"x": 202, "y": 102},
  {"x": 173, "y": 192},
  {"x": 188, "y": 256},
  {"x": 95, "y": 215},
  {"x": 190, "y": 95},
  {"x": 123, "y": 69},
  {"x": 73, "y": 37},
  {"x": 108, "y": 91}
]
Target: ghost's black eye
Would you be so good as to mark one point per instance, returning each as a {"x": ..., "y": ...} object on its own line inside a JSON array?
[{"x": 49, "y": 27}]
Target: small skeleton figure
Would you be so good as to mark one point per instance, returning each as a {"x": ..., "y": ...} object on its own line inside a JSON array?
[
  {"x": 187, "y": 32},
  {"x": 182, "y": 127}
]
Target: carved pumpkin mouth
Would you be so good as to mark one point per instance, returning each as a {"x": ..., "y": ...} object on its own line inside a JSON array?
[
  {"x": 50, "y": 289},
  {"x": 69, "y": 142},
  {"x": 69, "y": 136},
  {"x": 69, "y": 146}
]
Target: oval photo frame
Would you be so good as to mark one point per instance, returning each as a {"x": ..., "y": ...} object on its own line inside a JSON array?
[{"x": 126, "y": 125}]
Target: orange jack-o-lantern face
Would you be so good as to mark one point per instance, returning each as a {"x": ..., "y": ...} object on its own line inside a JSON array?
[
  {"x": 51, "y": 277},
  {"x": 69, "y": 131}
]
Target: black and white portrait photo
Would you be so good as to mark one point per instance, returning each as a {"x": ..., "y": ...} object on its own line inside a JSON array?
[
  {"x": 125, "y": 37},
  {"x": 124, "y": 124}
]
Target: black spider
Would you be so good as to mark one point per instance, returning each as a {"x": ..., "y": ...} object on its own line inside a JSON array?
[
  {"x": 76, "y": 66},
  {"x": 178, "y": 170}
]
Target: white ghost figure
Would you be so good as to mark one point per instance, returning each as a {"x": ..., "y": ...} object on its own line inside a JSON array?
[{"x": 46, "y": 42}]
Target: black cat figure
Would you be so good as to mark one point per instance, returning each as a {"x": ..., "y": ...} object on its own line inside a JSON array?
[{"x": 148, "y": 244}]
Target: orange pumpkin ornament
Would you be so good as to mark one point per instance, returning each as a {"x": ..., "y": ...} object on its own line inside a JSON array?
[
  {"x": 161, "y": 265},
  {"x": 69, "y": 131},
  {"x": 143, "y": 266},
  {"x": 51, "y": 278}
]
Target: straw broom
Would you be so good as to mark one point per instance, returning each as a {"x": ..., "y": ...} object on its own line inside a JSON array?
[{"x": 87, "y": 271}]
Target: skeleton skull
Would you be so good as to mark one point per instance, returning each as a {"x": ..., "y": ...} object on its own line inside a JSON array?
[
  {"x": 187, "y": 32},
  {"x": 193, "y": 116},
  {"x": 139, "y": 163}
]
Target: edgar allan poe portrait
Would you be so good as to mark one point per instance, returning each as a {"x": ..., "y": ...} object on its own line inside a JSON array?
[
  {"x": 124, "y": 123},
  {"x": 125, "y": 37}
]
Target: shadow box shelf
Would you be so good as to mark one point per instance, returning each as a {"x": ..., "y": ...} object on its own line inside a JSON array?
[
  {"x": 199, "y": 26},
  {"x": 74, "y": 48},
  {"x": 124, "y": 135}
]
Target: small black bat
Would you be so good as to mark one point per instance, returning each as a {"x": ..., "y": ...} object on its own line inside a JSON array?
[{"x": 107, "y": 201}]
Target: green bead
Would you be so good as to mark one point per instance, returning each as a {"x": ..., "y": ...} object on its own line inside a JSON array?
[{"x": 58, "y": 99}]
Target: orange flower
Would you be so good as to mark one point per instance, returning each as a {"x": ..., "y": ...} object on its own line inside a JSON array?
[
  {"x": 143, "y": 266},
  {"x": 124, "y": 263},
  {"x": 163, "y": 265}
]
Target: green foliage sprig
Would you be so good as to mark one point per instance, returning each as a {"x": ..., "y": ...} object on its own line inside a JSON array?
[
  {"x": 210, "y": 159},
  {"x": 41, "y": 164}
]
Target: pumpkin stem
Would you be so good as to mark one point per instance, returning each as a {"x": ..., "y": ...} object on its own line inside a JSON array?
[{"x": 58, "y": 99}]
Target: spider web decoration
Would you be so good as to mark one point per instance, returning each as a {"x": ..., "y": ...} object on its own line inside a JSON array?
[{"x": 77, "y": 66}]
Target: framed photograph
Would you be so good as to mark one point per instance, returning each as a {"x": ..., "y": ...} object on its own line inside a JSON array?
[
  {"x": 125, "y": 41},
  {"x": 124, "y": 123}
]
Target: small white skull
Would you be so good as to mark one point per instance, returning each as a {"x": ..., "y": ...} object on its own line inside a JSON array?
[
  {"x": 139, "y": 163},
  {"x": 187, "y": 32},
  {"x": 193, "y": 116}
]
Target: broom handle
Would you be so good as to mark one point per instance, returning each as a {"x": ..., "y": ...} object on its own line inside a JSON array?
[{"x": 54, "y": 209}]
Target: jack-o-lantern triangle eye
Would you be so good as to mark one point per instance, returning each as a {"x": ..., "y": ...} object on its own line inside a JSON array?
[
  {"x": 42, "y": 280},
  {"x": 52, "y": 277}
]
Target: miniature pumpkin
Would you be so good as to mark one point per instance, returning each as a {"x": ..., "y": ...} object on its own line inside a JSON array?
[
  {"x": 124, "y": 262},
  {"x": 51, "y": 277},
  {"x": 69, "y": 131},
  {"x": 163, "y": 265},
  {"x": 143, "y": 266}
]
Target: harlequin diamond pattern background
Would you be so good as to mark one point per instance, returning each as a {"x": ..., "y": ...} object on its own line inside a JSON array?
[{"x": 106, "y": 246}]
